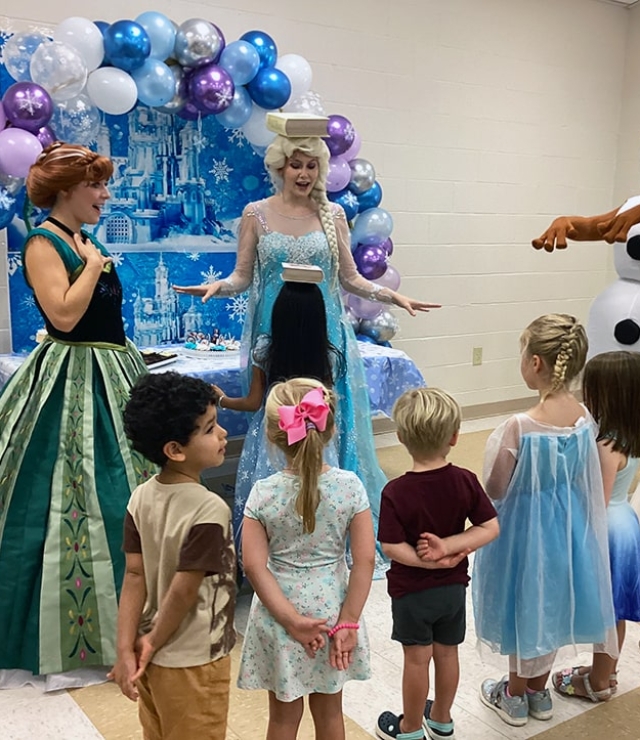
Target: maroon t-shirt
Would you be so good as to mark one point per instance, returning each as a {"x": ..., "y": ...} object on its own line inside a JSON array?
[{"x": 438, "y": 501}]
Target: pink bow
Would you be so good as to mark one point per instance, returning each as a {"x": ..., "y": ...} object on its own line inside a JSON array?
[{"x": 294, "y": 420}]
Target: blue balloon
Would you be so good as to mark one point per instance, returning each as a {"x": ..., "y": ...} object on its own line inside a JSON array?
[
  {"x": 102, "y": 27},
  {"x": 372, "y": 227},
  {"x": 347, "y": 200},
  {"x": 238, "y": 113},
  {"x": 270, "y": 88},
  {"x": 370, "y": 198},
  {"x": 161, "y": 32},
  {"x": 365, "y": 338},
  {"x": 126, "y": 45},
  {"x": 155, "y": 82},
  {"x": 264, "y": 45},
  {"x": 241, "y": 60}
]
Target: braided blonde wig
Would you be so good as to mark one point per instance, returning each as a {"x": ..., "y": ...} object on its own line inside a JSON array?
[
  {"x": 283, "y": 148},
  {"x": 561, "y": 341}
]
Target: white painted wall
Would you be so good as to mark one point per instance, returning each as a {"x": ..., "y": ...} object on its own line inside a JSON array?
[{"x": 483, "y": 118}]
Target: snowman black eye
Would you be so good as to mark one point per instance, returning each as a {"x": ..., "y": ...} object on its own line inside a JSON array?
[
  {"x": 626, "y": 332},
  {"x": 633, "y": 247}
]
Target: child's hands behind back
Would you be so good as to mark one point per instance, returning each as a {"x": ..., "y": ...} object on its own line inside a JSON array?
[
  {"x": 433, "y": 551},
  {"x": 309, "y": 632},
  {"x": 343, "y": 643}
]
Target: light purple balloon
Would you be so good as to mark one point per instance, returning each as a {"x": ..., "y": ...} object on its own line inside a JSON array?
[
  {"x": 371, "y": 260},
  {"x": 27, "y": 105},
  {"x": 353, "y": 151},
  {"x": 46, "y": 136},
  {"x": 211, "y": 88},
  {"x": 338, "y": 175},
  {"x": 341, "y": 135},
  {"x": 3, "y": 118},
  {"x": 390, "y": 279},
  {"x": 363, "y": 308},
  {"x": 18, "y": 151}
]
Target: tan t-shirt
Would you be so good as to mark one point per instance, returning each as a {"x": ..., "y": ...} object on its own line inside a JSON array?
[{"x": 184, "y": 527}]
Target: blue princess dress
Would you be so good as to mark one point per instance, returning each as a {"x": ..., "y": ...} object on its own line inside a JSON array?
[
  {"x": 267, "y": 239},
  {"x": 544, "y": 582},
  {"x": 624, "y": 546}
]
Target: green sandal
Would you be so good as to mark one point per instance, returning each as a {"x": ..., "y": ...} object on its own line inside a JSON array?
[{"x": 562, "y": 683}]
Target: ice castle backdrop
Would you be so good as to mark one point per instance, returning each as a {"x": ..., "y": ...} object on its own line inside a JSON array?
[{"x": 177, "y": 193}]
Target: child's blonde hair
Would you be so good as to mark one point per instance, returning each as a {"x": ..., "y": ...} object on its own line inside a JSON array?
[
  {"x": 426, "y": 420},
  {"x": 561, "y": 342},
  {"x": 305, "y": 456}
]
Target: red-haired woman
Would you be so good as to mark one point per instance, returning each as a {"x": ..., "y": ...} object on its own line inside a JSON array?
[{"x": 66, "y": 471}]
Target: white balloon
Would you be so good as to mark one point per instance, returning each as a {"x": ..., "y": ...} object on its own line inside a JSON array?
[
  {"x": 298, "y": 70},
  {"x": 85, "y": 37},
  {"x": 112, "y": 90},
  {"x": 255, "y": 129}
]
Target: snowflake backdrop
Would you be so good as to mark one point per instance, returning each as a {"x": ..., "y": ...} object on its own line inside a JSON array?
[{"x": 220, "y": 173}]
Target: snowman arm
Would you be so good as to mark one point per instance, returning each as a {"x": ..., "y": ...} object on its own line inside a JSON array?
[{"x": 577, "y": 228}]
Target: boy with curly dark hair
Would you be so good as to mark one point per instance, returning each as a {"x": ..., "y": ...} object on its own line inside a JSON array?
[{"x": 175, "y": 623}]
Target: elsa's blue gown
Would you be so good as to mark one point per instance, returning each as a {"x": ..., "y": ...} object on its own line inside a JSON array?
[{"x": 354, "y": 447}]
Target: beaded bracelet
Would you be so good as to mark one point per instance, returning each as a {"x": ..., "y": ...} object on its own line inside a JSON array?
[{"x": 343, "y": 626}]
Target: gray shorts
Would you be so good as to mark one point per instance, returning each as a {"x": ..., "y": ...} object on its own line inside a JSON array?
[{"x": 433, "y": 615}]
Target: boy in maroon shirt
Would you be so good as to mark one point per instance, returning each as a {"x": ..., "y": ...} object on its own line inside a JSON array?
[{"x": 422, "y": 530}]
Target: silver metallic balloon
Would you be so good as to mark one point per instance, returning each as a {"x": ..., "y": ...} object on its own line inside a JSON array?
[
  {"x": 11, "y": 184},
  {"x": 197, "y": 42},
  {"x": 382, "y": 327},
  {"x": 363, "y": 175},
  {"x": 179, "y": 98}
]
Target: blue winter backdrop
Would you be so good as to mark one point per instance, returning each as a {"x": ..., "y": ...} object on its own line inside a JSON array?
[{"x": 178, "y": 191}]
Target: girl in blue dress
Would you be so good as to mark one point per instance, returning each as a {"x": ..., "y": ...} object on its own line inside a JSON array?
[
  {"x": 298, "y": 224},
  {"x": 298, "y": 346},
  {"x": 544, "y": 583},
  {"x": 612, "y": 394}
]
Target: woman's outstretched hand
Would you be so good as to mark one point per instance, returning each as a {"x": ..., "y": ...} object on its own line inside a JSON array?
[
  {"x": 411, "y": 305},
  {"x": 555, "y": 237},
  {"x": 210, "y": 290}
]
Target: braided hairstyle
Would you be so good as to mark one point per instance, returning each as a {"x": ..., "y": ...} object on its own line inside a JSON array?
[
  {"x": 561, "y": 342},
  {"x": 279, "y": 151},
  {"x": 305, "y": 456},
  {"x": 62, "y": 166}
]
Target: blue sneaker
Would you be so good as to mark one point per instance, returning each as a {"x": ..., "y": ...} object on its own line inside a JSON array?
[
  {"x": 540, "y": 704},
  {"x": 432, "y": 732},
  {"x": 514, "y": 710}
]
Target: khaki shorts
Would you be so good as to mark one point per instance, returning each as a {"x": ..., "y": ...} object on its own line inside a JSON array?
[{"x": 185, "y": 703}]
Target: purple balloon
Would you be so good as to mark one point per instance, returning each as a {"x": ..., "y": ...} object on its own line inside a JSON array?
[
  {"x": 371, "y": 260},
  {"x": 27, "y": 106},
  {"x": 189, "y": 112},
  {"x": 353, "y": 151},
  {"x": 363, "y": 308},
  {"x": 211, "y": 88},
  {"x": 338, "y": 175},
  {"x": 341, "y": 135},
  {"x": 18, "y": 151},
  {"x": 3, "y": 118},
  {"x": 46, "y": 136},
  {"x": 390, "y": 279},
  {"x": 387, "y": 245}
]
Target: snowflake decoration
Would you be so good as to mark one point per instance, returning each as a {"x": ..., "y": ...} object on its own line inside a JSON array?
[
  {"x": 14, "y": 263},
  {"x": 350, "y": 199},
  {"x": 211, "y": 275},
  {"x": 237, "y": 307},
  {"x": 117, "y": 258},
  {"x": 349, "y": 132},
  {"x": 29, "y": 102},
  {"x": 221, "y": 170},
  {"x": 5, "y": 35},
  {"x": 7, "y": 201},
  {"x": 199, "y": 141},
  {"x": 237, "y": 137},
  {"x": 29, "y": 301},
  {"x": 226, "y": 96},
  {"x": 193, "y": 256}
]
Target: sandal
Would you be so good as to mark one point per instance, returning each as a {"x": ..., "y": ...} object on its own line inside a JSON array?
[
  {"x": 613, "y": 677},
  {"x": 563, "y": 683}
]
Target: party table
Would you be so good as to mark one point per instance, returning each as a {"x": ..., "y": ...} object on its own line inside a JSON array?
[{"x": 389, "y": 372}]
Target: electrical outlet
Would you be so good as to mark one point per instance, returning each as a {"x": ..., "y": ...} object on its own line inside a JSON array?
[{"x": 476, "y": 357}]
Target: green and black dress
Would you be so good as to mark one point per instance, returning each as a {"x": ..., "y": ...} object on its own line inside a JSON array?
[{"x": 66, "y": 474}]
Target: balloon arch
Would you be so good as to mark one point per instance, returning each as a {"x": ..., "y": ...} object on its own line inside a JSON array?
[{"x": 61, "y": 87}]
